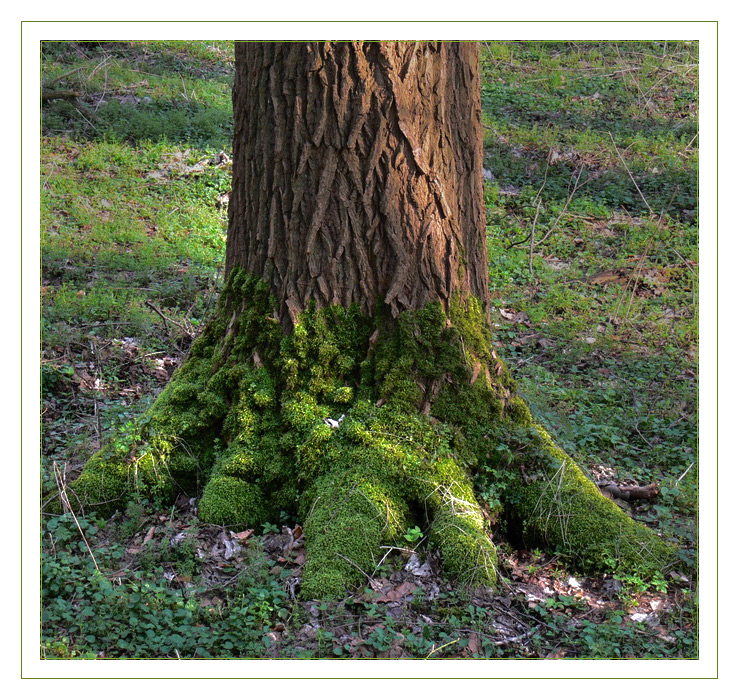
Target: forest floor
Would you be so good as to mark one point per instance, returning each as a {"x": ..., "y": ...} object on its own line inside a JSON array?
[{"x": 591, "y": 191}]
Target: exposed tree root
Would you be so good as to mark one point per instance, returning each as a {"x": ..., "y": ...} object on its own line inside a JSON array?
[{"x": 251, "y": 421}]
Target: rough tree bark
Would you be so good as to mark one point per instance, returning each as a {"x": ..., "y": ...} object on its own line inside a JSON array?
[
  {"x": 349, "y": 374},
  {"x": 358, "y": 174}
]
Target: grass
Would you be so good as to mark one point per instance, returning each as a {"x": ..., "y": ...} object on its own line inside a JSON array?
[
  {"x": 133, "y": 229},
  {"x": 590, "y": 146}
]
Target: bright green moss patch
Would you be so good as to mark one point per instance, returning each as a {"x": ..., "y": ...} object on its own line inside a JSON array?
[
  {"x": 466, "y": 551},
  {"x": 384, "y": 469},
  {"x": 362, "y": 432},
  {"x": 115, "y": 472},
  {"x": 558, "y": 506},
  {"x": 348, "y": 516},
  {"x": 233, "y": 501}
]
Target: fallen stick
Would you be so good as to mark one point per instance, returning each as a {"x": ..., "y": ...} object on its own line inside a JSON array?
[{"x": 628, "y": 493}]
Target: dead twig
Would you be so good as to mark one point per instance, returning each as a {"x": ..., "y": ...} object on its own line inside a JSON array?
[
  {"x": 690, "y": 143},
  {"x": 692, "y": 464},
  {"x": 87, "y": 120},
  {"x": 623, "y": 162},
  {"x": 437, "y": 649},
  {"x": 356, "y": 566},
  {"x": 164, "y": 318},
  {"x": 532, "y": 242},
  {"x": 687, "y": 264},
  {"x": 98, "y": 384},
  {"x": 62, "y": 487},
  {"x": 532, "y": 238},
  {"x": 629, "y": 493},
  {"x": 576, "y": 187},
  {"x": 536, "y": 216},
  {"x": 212, "y": 292}
]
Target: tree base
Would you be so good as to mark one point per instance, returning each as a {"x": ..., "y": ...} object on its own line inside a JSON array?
[{"x": 363, "y": 431}]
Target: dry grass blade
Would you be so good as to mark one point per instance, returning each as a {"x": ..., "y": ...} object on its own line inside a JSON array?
[
  {"x": 623, "y": 162},
  {"x": 62, "y": 486}
]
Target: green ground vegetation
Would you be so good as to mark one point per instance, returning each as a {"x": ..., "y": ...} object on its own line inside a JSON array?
[{"x": 596, "y": 318}]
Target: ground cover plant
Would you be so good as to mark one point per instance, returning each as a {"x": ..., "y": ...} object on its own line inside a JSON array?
[{"x": 591, "y": 153}]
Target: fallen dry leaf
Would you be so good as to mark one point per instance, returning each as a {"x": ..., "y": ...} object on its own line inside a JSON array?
[{"x": 395, "y": 594}]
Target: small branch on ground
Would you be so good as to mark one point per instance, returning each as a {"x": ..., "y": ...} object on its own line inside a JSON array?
[
  {"x": 164, "y": 318},
  {"x": 623, "y": 162},
  {"x": 628, "y": 493}
]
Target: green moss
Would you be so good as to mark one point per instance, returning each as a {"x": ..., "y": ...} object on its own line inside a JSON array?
[
  {"x": 232, "y": 501},
  {"x": 113, "y": 474},
  {"x": 518, "y": 412},
  {"x": 467, "y": 554},
  {"x": 103, "y": 486},
  {"x": 386, "y": 468},
  {"x": 314, "y": 450},
  {"x": 239, "y": 462},
  {"x": 558, "y": 506},
  {"x": 347, "y": 517},
  {"x": 301, "y": 412},
  {"x": 256, "y": 417}
]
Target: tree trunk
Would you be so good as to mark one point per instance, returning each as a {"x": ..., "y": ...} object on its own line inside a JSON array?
[
  {"x": 358, "y": 174},
  {"x": 349, "y": 374}
]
